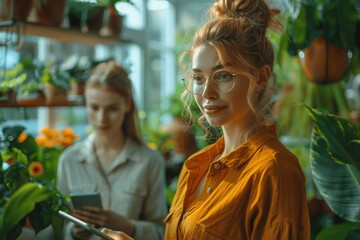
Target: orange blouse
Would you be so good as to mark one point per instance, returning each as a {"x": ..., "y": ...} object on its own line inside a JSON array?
[{"x": 255, "y": 192}]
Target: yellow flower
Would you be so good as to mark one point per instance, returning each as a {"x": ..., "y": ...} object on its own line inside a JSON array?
[
  {"x": 36, "y": 169},
  {"x": 22, "y": 137},
  {"x": 152, "y": 145}
]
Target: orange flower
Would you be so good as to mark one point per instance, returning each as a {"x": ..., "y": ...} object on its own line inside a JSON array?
[
  {"x": 10, "y": 161},
  {"x": 41, "y": 141},
  {"x": 66, "y": 141},
  {"x": 22, "y": 137},
  {"x": 36, "y": 169},
  {"x": 67, "y": 132},
  {"x": 51, "y": 143},
  {"x": 54, "y": 133},
  {"x": 45, "y": 131}
]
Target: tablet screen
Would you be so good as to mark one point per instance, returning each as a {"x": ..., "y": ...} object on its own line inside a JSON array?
[
  {"x": 80, "y": 200},
  {"x": 84, "y": 225}
]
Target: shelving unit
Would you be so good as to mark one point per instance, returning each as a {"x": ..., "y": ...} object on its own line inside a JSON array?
[
  {"x": 21, "y": 29},
  {"x": 65, "y": 35}
]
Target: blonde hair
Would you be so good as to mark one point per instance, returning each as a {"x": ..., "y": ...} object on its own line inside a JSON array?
[
  {"x": 237, "y": 31},
  {"x": 114, "y": 77}
]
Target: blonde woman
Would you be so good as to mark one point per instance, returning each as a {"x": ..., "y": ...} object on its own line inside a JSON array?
[
  {"x": 247, "y": 185},
  {"x": 114, "y": 161}
]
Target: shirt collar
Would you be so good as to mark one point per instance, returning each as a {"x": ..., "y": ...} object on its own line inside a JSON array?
[
  {"x": 130, "y": 151},
  {"x": 238, "y": 156}
]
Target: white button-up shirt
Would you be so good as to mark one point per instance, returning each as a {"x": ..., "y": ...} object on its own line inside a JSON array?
[{"x": 133, "y": 186}]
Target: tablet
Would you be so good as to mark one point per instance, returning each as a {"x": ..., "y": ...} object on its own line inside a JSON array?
[
  {"x": 80, "y": 200},
  {"x": 84, "y": 225}
]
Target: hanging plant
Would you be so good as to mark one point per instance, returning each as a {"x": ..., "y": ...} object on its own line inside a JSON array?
[{"x": 329, "y": 28}]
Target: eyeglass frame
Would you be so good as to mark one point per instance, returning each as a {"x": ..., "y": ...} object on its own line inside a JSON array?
[{"x": 213, "y": 82}]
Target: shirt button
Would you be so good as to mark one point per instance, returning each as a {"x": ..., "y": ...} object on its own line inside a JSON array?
[
  {"x": 183, "y": 216},
  {"x": 209, "y": 190},
  {"x": 217, "y": 166}
]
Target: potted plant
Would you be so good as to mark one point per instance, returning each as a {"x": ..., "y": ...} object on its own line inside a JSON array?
[
  {"x": 56, "y": 84},
  {"x": 323, "y": 33},
  {"x": 27, "y": 178},
  {"x": 10, "y": 80},
  {"x": 112, "y": 20},
  {"x": 31, "y": 93},
  {"x": 48, "y": 12},
  {"x": 335, "y": 167},
  {"x": 15, "y": 9}
]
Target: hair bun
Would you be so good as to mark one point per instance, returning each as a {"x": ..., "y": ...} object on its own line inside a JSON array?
[{"x": 257, "y": 12}]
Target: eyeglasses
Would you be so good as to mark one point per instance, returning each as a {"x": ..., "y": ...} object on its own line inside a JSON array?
[{"x": 223, "y": 81}]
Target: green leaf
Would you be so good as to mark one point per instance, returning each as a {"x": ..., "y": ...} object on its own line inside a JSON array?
[
  {"x": 57, "y": 223},
  {"x": 40, "y": 218},
  {"x": 20, "y": 204},
  {"x": 334, "y": 163},
  {"x": 341, "y": 137},
  {"x": 338, "y": 231}
]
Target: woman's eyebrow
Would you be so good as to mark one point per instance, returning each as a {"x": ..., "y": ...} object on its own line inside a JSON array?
[{"x": 217, "y": 67}]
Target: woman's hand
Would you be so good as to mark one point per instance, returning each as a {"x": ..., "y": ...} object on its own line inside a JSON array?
[
  {"x": 80, "y": 233},
  {"x": 103, "y": 218},
  {"x": 116, "y": 235}
]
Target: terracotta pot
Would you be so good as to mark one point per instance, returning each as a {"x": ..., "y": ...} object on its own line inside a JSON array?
[
  {"x": 48, "y": 12},
  {"x": 55, "y": 95},
  {"x": 112, "y": 22},
  {"x": 21, "y": 9},
  {"x": 86, "y": 19},
  {"x": 324, "y": 63},
  {"x": 36, "y": 98},
  {"x": 76, "y": 93},
  {"x": 77, "y": 89},
  {"x": 8, "y": 99}
]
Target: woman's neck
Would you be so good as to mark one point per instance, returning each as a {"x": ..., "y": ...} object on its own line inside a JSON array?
[
  {"x": 237, "y": 134},
  {"x": 115, "y": 141}
]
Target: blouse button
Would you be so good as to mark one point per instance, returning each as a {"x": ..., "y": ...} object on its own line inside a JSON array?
[
  {"x": 209, "y": 190},
  {"x": 217, "y": 166},
  {"x": 183, "y": 216}
]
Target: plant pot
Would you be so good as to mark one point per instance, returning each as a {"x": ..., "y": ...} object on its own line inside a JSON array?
[
  {"x": 34, "y": 98},
  {"x": 112, "y": 22},
  {"x": 48, "y": 12},
  {"x": 76, "y": 92},
  {"x": 55, "y": 95},
  {"x": 324, "y": 63},
  {"x": 21, "y": 9},
  {"x": 8, "y": 99},
  {"x": 85, "y": 18}
]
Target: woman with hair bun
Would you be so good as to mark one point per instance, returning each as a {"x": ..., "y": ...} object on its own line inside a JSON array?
[{"x": 247, "y": 185}]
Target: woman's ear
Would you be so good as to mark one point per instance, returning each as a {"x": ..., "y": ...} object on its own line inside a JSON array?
[{"x": 264, "y": 75}]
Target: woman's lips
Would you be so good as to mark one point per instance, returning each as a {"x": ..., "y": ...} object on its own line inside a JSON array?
[
  {"x": 210, "y": 110},
  {"x": 103, "y": 128}
]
